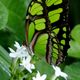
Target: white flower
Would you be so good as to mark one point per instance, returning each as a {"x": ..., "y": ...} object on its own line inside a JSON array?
[
  {"x": 20, "y": 52},
  {"x": 58, "y": 73},
  {"x": 26, "y": 63},
  {"x": 38, "y": 77}
]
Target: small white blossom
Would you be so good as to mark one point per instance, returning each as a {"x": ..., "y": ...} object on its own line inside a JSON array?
[
  {"x": 58, "y": 73},
  {"x": 20, "y": 52},
  {"x": 38, "y": 77},
  {"x": 26, "y": 64}
]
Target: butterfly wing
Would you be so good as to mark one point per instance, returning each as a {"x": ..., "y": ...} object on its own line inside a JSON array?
[{"x": 47, "y": 30}]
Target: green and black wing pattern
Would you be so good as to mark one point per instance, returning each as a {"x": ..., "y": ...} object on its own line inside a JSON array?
[{"x": 47, "y": 29}]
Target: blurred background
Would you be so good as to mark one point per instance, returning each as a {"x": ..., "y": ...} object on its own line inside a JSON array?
[{"x": 75, "y": 11}]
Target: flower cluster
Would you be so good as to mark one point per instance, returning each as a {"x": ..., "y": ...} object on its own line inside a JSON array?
[{"x": 22, "y": 53}]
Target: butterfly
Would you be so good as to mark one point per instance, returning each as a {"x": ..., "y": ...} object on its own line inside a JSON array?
[{"x": 47, "y": 29}]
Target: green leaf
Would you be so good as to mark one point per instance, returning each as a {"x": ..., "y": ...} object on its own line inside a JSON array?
[
  {"x": 6, "y": 38},
  {"x": 3, "y": 16},
  {"x": 74, "y": 50},
  {"x": 76, "y": 33},
  {"x": 44, "y": 68},
  {"x": 73, "y": 71},
  {"x": 5, "y": 63},
  {"x": 5, "y": 55},
  {"x": 4, "y": 74},
  {"x": 12, "y": 17}
]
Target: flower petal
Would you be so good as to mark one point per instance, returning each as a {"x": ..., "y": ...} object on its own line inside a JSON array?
[
  {"x": 17, "y": 45},
  {"x": 13, "y": 55},
  {"x": 29, "y": 69},
  {"x": 26, "y": 63},
  {"x": 34, "y": 78},
  {"x": 64, "y": 75},
  {"x": 58, "y": 73},
  {"x": 44, "y": 76},
  {"x": 32, "y": 66},
  {"x": 11, "y": 50},
  {"x": 38, "y": 77}
]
